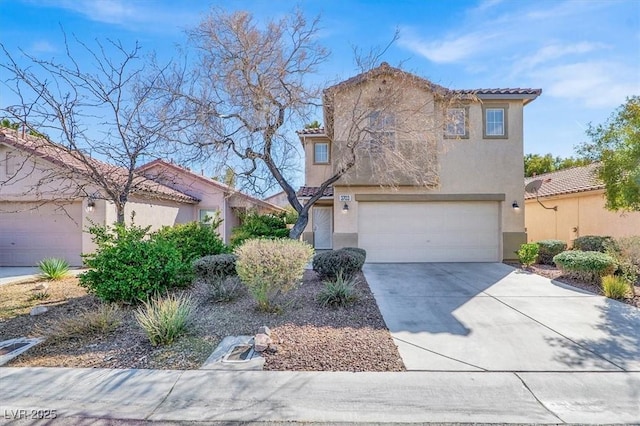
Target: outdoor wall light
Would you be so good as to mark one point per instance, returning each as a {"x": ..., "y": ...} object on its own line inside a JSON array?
[
  {"x": 515, "y": 206},
  {"x": 91, "y": 204},
  {"x": 345, "y": 208}
]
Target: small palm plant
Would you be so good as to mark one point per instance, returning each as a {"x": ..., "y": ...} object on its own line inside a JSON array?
[{"x": 53, "y": 268}]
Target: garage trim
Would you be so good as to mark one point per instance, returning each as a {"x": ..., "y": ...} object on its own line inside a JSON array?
[{"x": 430, "y": 197}]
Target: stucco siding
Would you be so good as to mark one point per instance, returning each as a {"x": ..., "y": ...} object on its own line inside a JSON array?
[{"x": 577, "y": 215}]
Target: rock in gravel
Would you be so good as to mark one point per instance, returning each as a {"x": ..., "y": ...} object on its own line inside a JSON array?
[
  {"x": 41, "y": 287},
  {"x": 261, "y": 342},
  {"x": 37, "y": 310},
  {"x": 264, "y": 330},
  {"x": 272, "y": 349}
]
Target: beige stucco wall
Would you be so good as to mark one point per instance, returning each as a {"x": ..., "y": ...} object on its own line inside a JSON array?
[
  {"x": 34, "y": 178},
  {"x": 577, "y": 215},
  {"x": 315, "y": 174},
  {"x": 471, "y": 165},
  {"x": 210, "y": 196}
]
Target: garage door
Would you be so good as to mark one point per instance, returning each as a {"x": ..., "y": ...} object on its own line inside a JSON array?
[
  {"x": 430, "y": 231},
  {"x": 32, "y": 234}
]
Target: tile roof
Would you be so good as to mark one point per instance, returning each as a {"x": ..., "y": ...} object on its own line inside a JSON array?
[
  {"x": 223, "y": 187},
  {"x": 567, "y": 181},
  {"x": 316, "y": 131},
  {"x": 506, "y": 91},
  {"x": 86, "y": 166},
  {"x": 310, "y": 191}
]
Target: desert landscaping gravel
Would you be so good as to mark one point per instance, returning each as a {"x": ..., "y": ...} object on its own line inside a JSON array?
[{"x": 306, "y": 335}]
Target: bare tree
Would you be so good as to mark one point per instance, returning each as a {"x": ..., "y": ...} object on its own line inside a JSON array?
[
  {"x": 105, "y": 111},
  {"x": 250, "y": 85}
]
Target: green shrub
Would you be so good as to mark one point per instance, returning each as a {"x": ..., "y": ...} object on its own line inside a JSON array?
[
  {"x": 361, "y": 252},
  {"x": 127, "y": 267},
  {"x": 586, "y": 265},
  {"x": 338, "y": 292},
  {"x": 615, "y": 287},
  {"x": 194, "y": 239},
  {"x": 527, "y": 254},
  {"x": 256, "y": 225},
  {"x": 329, "y": 264},
  {"x": 622, "y": 252},
  {"x": 163, "y": 319},
  {"x": 271, "y": 267},
  {"x": 629, "y": 249},
  {"x": 53, "y": 268},
  {"x": 216, "y": 266},
  {"x": 290, "y": 216},
  {"x": 592, "y": 243},
  {"x": 547, "y": 249}
]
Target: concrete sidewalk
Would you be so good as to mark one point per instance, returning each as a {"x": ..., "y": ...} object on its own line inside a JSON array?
[
  {"x": 86, "y": 396},
  {"x": 13, "y": 274}
]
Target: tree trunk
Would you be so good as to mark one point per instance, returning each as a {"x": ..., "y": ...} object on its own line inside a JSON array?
[
  {"x": 301, "y": 223},
  {"x": 120, "y": 213}
]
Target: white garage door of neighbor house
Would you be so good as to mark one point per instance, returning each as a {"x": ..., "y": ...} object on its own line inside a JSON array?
[
  {"x": 430, "y": 231},
  {"x": 31, "y": 234}
]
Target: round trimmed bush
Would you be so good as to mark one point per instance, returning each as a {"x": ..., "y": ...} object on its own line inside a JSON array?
[
  {"x": 217, "y": 266},
  {"x": 588, "y": 265},
  {"x": 330, "y": 263},
  {"x": 358, "y": 250},
  {"x": 547, "y": 249},
  {"x": 592, "y": 243}
]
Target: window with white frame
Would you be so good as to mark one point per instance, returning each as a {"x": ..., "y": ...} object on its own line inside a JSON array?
[
  {"x": 381, "y": 131},
  {"x": 456, "y": 123},
  {"x": 495, "y": 122},
  {"x": 321, "y": 153},
  {"x": 207, "y": 216}
]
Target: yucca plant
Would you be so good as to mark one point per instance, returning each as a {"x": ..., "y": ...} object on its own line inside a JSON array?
[
  {"x": 165, "y": 318},
  {"x": 615, "y": 287},
  {"x": 53, "y": 268},
  {"x": 338, "y": 292}
]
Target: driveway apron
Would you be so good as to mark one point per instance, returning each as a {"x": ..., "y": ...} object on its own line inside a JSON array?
[{"x": 492, "y": 317}]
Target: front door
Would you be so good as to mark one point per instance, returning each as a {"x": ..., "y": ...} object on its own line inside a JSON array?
[{"x": 323, "y": 227}]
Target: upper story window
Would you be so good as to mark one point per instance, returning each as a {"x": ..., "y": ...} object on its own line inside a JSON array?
[
  {"x": 495, "y": 121},
  {"x": 456, "y": 124},
  {"x": 321, "y": 153},
  {"x": 381, "y": 131}
]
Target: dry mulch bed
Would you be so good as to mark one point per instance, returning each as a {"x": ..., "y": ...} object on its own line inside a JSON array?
[
  {"x": 307, "y": 335},
  {"x": 552, "y": 272}
]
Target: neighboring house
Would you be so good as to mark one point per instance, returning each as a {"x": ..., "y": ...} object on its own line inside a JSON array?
[
  {"x": 47, "y": 201},
  {"x": 216, "y": 198},
  {"x": 570, "y": 203},
  {"x": 279, "y": 199},
  {"x": 475, "y": 172}
]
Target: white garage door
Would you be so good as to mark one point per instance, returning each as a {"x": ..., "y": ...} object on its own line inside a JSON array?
[
  {"x": 430, "y": 231},
  {"x": 32, "y": 234}
]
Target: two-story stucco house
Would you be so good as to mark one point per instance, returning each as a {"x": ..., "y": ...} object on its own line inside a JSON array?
[{"x": 464, "y": 206}]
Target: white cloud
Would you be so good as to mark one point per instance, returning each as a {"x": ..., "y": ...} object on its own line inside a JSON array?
[
  {"x": 127, "y": 13},
  {"x": 42, "y": 46},
  {"x": 454, "y": 49},
  {"x": 591, "y": 84},
  {"x": 552, "y": 52}
]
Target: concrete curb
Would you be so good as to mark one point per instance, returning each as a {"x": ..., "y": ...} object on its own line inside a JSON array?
[{"x": 320, "y": 397}]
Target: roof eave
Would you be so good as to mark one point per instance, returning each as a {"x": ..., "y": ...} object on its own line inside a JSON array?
[{"x": 495, "y": 96}]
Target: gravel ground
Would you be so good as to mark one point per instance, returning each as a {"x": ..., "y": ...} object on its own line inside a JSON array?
[{"x": 307, "y": 336}]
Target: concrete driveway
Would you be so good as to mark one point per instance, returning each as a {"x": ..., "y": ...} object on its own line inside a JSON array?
[{"x": 492, "y": 317}]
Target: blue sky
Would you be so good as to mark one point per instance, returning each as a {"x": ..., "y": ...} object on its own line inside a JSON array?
[{"x": 584, "y": 55}]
